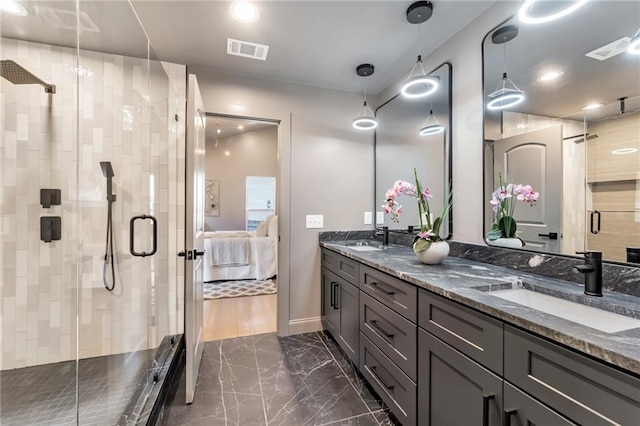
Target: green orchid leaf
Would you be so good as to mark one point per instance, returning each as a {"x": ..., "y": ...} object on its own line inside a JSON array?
[{"x": 421, "y": 245}]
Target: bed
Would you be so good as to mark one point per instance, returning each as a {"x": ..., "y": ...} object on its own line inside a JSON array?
[{"x": 242, "y": 255}]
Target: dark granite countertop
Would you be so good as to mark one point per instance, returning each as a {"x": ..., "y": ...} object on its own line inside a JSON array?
[{"x": 467, "y": 282}]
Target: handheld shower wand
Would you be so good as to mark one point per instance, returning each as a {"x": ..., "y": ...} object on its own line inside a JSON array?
[{"x": 107, "y": 171}]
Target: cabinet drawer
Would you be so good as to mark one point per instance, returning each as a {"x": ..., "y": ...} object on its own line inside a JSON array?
[
  {"x": 392, "y": 292},
  {"x": 391, "y": 332},
  {"x": 524, "y": 410},
  {"x": 341, "y": 265},
  {"x": 586, "y": 391},
  {"x": 472, "y": 333},
  {"x": 395, "y": 388}
]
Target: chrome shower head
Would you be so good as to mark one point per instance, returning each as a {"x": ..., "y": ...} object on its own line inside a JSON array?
[{"x": 18, "y": 75}]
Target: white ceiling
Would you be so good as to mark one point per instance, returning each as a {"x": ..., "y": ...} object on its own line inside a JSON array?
[{"x": 317, "y": 43}]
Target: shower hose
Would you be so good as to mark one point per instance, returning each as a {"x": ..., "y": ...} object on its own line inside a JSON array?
[{"x": 108, "y": 255}]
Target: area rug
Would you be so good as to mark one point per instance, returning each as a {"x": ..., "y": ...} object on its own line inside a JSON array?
[{"x": 240, "y": 288}]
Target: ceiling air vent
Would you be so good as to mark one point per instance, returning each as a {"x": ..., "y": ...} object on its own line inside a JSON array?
[
  {"x": 610, "y": 50},
  {"x": 247, "y": 49}
]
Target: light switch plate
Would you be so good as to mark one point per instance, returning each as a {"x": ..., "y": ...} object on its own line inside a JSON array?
[
  {"x": 368, "y": 218},
  {"x": 379, "y": 218},
  {"x": 315, "y": 221}
]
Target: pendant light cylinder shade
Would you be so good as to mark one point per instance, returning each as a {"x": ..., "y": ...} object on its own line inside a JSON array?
[{"x": 365, "y": 121}]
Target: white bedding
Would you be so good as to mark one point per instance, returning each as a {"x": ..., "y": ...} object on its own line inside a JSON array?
[{"x": 240, "y": 258}]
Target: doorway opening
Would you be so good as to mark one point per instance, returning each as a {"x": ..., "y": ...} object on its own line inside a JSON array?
[{"x": 241, "y": 226}]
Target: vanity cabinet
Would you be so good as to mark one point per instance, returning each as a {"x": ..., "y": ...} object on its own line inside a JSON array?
[
  {"x": 437, "y": 362},
  {"x": 340, "y": 302}
]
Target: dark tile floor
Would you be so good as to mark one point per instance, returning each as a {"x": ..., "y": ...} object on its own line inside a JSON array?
[
  {"x": 46, "y": 394},
  {"x": 268, "y": 380}
]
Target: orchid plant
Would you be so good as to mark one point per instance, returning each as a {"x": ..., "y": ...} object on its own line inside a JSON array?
[
  {"x": 503, "y": 201},
  {"x": 429, "y": 232}
]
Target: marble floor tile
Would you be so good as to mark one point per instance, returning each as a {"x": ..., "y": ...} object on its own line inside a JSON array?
[{"x": 270, "y": 380}]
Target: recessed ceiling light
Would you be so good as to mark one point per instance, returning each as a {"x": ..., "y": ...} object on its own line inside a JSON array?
[
  {"x": 624, "y": 151},
  {"x": 244, "y": 11},
  {"x": 240, "y": 127},
  {"x": 227, "y": 153},
  {"x": 12, "y": 7},
  {"x": 219, "y": 131},
  {"x": 592, "y": 106},
  {"x": 550, "y": 75}
]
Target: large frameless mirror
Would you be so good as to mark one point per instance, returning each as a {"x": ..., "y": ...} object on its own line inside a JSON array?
[
  {"x": 561, "y": 165},
  {"x": 415, "y": 133}
]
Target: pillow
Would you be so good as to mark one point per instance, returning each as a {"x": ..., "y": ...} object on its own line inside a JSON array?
[
  {"x": 273, "y": 227},
  {"x": 261, "y": 230}
]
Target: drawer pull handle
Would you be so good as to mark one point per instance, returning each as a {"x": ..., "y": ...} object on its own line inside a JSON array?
[
  {"x": 375, "y": 325},
  {"x": 335, "y": 295},
  {"x": 333, "y": 302},
  {"x": 375, "y": 373},
  {"x": 485, "y": 409},
  {"x": 507, "y": 417},
  {"x": 376, "y": 286}
]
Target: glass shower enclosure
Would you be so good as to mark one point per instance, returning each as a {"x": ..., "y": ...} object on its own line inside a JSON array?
[{"x": 91, "y": 213}]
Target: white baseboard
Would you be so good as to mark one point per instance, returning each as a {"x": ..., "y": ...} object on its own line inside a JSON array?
[{"x": 305, "y": 325}]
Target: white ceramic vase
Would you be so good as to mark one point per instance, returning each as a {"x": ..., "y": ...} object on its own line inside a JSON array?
[
  {"x": 435, "y": 254},
  {"x": 506, "y": 242}
]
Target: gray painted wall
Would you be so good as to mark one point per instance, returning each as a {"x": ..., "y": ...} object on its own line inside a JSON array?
[
  {"x": 250, "y": 154},
  {"x": 325, "y": 167}
]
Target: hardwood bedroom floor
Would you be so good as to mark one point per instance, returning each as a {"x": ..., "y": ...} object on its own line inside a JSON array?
[{"x": 239, "y": 316}]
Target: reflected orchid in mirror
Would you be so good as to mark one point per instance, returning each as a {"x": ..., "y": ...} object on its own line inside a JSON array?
[{"x": 503, "y": 202}]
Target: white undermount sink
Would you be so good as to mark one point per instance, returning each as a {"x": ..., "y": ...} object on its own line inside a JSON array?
[{"x": 608, "y": 322}]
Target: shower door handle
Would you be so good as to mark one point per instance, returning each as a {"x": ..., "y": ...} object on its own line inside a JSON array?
[{"x": 132, "y": 222}]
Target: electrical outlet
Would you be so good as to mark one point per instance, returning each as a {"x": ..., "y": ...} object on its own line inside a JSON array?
[
  {"x": 368, "y": 218},
  {"x": 379, "y": 218},
  {"x": 315, "y": 221}
]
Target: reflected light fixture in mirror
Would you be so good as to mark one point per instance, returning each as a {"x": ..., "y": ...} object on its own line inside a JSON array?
[
  {"x": 547, "y": 10},
  {"x": 419, "y": 84},
  {"x": 12, "y": 7},
  {"x": 550, "y": 76},
  {"x": 431, "y": 125},
  {"x": 634, "y": 44},
  {"x": 244, "y": 11},
  {"x": 366, "y": 120},
  {"x": 507, "y": 94}
]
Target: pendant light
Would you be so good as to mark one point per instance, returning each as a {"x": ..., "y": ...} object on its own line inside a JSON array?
[
  {"x": 431, "y": 125},
  {"x": 634, "y": 44},
  {"x": 527, "y": 7},
  {"x": 366, "y": 120},
  {"x": 419, "y": 84},
  {"x": 507, "y": 94}
]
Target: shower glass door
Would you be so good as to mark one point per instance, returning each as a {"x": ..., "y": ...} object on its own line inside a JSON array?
[{"x": 90, "y": 304}]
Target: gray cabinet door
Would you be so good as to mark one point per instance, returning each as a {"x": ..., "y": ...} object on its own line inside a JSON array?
[
  {"x": 584, "y": 390},
  {"x": 522, "y": 410},
  {"x": 330, "y": 313},
  {"x": 453, "y": 389},
  {"x": 348, "y": 303}
]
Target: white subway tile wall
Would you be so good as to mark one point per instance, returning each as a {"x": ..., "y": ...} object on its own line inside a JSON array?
[{"x": 124, "y": 113}]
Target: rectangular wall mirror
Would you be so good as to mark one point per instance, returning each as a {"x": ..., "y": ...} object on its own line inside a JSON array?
[
  {"x": 575, "y": 136},
  {"x": 399, "y": 147}
]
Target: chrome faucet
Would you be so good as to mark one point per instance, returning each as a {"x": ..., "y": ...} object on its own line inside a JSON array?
[
  {"x": 592, "y": 270},
  {"x": 384, "y": 231}
]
